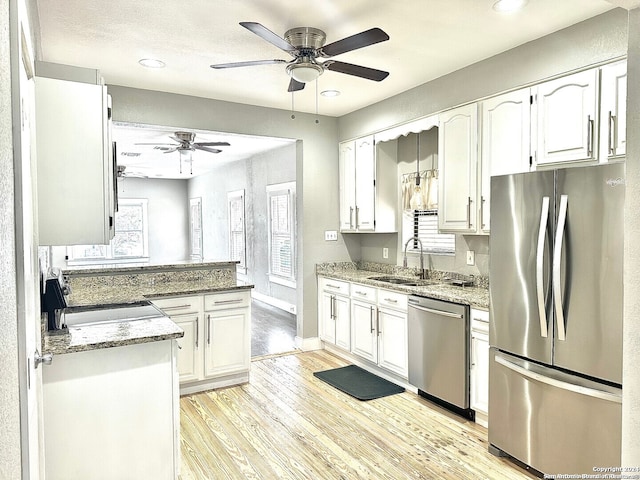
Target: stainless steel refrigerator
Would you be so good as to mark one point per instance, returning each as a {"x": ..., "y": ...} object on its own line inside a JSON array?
[{"x": 555, "y": 372}]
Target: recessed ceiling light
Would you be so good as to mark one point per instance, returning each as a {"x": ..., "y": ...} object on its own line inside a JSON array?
[
  {"x": 151, "y": 63},
  {"x": 330, "y": 93},
  {"x": 508, "y": 6}
]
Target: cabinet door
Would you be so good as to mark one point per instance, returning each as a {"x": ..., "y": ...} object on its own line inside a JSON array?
[
  {"x": 393, "y": 340},
  {"x": 227, "y": 348},
  {"x": 364, "y": 338},
  {"x": 342, "y": 322},
  {"x": 457, "y": 161},
  {"x": 75, "y": 178},
  {"x": 365, "y": 183},
  {"x": 479, "y": 395},
  {"x": 347, "y": 167},
  {"x": 567, "y": 119},
  {"x": 613, "y": 112},
  {"x": 505, "y": 143},
  {"x": 188, "y": 347},
  {"x": 327, "y": 319}
]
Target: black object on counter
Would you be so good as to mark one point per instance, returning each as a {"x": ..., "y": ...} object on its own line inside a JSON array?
[{"x": 53, "y": 302}]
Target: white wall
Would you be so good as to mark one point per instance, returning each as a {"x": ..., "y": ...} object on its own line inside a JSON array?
[{"x": 252, "y": 175}]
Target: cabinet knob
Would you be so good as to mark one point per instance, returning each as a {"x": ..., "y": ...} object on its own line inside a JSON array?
[{"x": 46, "y": 359}]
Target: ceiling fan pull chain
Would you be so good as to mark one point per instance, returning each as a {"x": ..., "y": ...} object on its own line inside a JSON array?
[
  {"x": 292, "y": 110},
  {"x": 317, "y": 120}
]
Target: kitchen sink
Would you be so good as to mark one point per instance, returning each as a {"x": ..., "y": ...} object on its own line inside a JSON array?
[{"x": 396, "y": 281}]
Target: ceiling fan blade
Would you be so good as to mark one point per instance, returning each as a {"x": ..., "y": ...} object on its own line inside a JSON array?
[
  {"x": 356, "y": 70},
  {"x": 206, "y": 149},
  {"x": 211, "y": 144},
  {"x": 171, "y": 150},
  {"x": 359, "y": 40},
  {"x": 168, "y": 144},
  {"x": 266, "y": 34},
  {"x": 295, "y": 85},
  {"x": 247, "y": 64}
]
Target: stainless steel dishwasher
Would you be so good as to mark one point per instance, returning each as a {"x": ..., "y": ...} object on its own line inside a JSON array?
[{"x": 439, "y": 352}]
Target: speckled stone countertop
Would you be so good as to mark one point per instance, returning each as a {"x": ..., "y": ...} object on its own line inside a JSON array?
[
  {"x": 117, "y": 334},
  {"x": 148, "y": 268},
  {"x": 474, "y": 296},
  {"x": 132, "y": 284}
]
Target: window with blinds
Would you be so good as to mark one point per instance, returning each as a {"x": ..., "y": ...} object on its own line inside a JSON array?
[
  {"x": 282, "y": 238},
  {"x": 195, "y": 230},
  {"x": 423, "y": 224},
  {"x": 237, "y": 237}
]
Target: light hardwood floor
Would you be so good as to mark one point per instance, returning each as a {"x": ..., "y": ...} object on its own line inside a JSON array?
[{"x": 287, "y": 424}]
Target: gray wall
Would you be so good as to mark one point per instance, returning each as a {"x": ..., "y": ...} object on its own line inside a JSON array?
[
  {"x": 9, "y": 373},
  {"x": 316, "y": 168},
  {"x": 631, "y": 347},
  {"x": 168, "y": 216},
  {"x": 253, "y": 176}
]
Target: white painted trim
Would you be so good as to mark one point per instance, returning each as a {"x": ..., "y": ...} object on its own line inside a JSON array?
[
  {"x": 308, "y": 344},
  {"x": 225, "y": 381},
  {"x": 274, "y": 302}
]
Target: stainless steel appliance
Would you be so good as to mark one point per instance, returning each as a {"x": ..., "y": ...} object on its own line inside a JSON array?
[
  {"x": 439, "y": 351},
  {"x": 556, "y": 253}
]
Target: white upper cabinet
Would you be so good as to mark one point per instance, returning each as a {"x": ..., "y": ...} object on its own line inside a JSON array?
[
  {"x": 567, "y": 119},
  {"x": 76, "y": 181},
  {"x": 505, "y": 135},
  {"x": 613, "y": 112},
  {"x": 368, "y": 186},
  {"x": 457, "y": 164}
]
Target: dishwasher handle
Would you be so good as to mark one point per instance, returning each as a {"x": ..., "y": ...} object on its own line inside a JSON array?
[{"x": 436, "y": 312}]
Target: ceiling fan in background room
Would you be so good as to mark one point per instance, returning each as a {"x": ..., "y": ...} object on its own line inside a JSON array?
[
  {"x": 186, "y": 145},
  {"x": 306, "y": 46}
]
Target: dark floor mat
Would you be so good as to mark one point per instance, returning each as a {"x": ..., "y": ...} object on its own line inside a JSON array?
[{"x": 358, "y": 383}]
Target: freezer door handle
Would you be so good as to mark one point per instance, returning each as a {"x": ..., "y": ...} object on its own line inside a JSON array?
[
  {"x": 591, "y": 392},
  {"x": 557, "y": 259},
  {"x": 542, "y": 233}
]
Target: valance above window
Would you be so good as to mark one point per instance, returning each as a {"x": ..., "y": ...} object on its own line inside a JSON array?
[{"x": 405, "y": 129}]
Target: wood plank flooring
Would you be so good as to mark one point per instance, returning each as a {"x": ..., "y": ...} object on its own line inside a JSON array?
[{"x": 287, "y": 424}]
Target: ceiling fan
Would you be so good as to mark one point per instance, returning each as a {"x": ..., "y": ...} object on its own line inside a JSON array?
[
  {"x": 306, "y": 46},
  {"x": 186, "y": 141}
]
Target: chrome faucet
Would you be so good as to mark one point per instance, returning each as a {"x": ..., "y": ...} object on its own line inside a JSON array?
[{"x": 404, "y": 259}]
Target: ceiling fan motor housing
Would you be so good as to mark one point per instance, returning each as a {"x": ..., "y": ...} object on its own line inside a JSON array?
[{"x": 305, "y": 37}]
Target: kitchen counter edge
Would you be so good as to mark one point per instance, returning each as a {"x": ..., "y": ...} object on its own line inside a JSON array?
[{"x": 475, "y": 297}]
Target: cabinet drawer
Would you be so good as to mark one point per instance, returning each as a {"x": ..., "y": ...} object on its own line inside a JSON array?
[
  {"x": 334, "y": 286},
  {"x": 178, "y": 305},
  {"x": 387, "y": 298},
  {"x": 362, "y": 292},
  {"x": 220, "y": 301}
]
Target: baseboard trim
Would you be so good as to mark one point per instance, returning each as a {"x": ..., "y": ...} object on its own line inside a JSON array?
[
  {"x": 274, "y": 302},
  {"x": 308, "y": 344}
]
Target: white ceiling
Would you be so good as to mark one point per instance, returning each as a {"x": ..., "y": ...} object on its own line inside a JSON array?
[{"x": 428, "y": 39}]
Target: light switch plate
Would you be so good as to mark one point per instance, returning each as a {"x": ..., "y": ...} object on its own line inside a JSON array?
[
  {"x": 330, "y": 235},
  {"x": 385, "y": 252}
]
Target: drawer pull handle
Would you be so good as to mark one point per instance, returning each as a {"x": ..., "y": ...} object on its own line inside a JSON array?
[
  {"x": 227, "y": 302},
  {"x": 176, "y": 307},
  {"x": 332, "y": 286},
  {"x": 391, "y": 300},
  {"x": 362, "y": 293}
]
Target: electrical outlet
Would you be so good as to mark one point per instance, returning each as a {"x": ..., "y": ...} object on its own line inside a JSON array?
[
  {"x": 385, "y": 252},
  {"x": 471, "y": 257},
  {"x": 331, "y": 235}
]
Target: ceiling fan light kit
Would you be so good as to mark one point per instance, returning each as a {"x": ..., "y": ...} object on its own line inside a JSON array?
[{"x": 304, "y": 72}]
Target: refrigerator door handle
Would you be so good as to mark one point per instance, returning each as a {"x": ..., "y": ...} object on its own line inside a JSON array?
[
  {"x": 557, "y": 259},
  {"x": 591, "y": 392},
  {"x": 542, "y": 233}
]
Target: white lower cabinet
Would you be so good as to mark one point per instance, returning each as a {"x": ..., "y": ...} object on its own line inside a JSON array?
[
  {"x": 392, "y": 345},
  {"x": 333, "y": 312},
  {"x": 216, "y": 348},
  {"x": 112, "y": 413},
  {"x": 364, "y": 330},
  {"x": 480, "y": 365}
]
